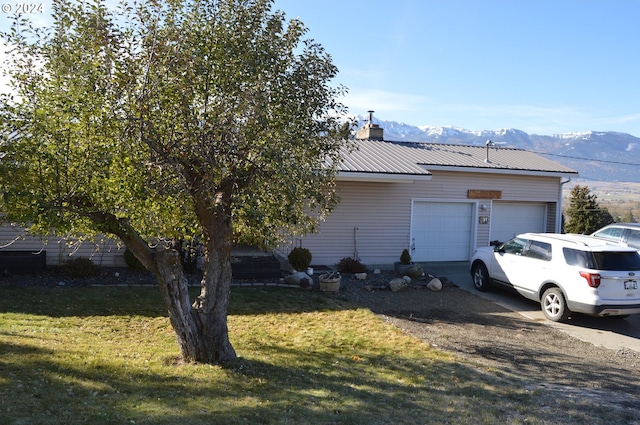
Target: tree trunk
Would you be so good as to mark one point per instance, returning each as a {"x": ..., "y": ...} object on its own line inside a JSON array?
[
  {"x": 212, "y": 303},
  {"x": 200, "y": 328},
  {"x": 175, "y": 291}
]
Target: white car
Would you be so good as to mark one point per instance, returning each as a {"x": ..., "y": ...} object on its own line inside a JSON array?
[
  {"x": 627, "y": 234},
  {"x": 565, "y": 273}
]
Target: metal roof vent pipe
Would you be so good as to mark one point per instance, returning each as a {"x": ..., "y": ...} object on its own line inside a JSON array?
[
  {"x": 370, "y": 131},
  {"x": 488, "y": 144}
]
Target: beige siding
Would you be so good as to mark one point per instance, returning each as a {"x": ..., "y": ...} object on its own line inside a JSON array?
[
  {"x": 105, "y": 252},
  {"x": 373, "y": 220}
]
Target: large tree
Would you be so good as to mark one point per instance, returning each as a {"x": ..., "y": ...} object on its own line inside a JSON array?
[
  {"x": 585, "y": 215},
  {"x": 168, "y": 119}
]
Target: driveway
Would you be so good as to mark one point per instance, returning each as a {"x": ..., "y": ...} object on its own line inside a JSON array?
[{"x": 606, "y": 332}]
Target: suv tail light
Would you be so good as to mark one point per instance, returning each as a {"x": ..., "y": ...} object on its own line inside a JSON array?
[{"x": 593, "y": 279}]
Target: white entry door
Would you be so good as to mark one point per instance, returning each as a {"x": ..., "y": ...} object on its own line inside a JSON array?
[
  {"x": 441, "y": 231},
  {"x": 511, "y": 219}
]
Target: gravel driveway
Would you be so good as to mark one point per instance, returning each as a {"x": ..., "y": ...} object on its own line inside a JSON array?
[{"x": 489, "y": 336}]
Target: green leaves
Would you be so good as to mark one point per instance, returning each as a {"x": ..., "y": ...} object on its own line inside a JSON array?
[{"x": 162, "y": 113}]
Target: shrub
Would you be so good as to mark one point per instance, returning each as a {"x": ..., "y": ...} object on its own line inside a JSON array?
[
  {"x": 350, "y": 265},
  {"x": 190, "y": 251},
  {"x": 79, "y": 267},
  {"x": 132, "y": 262},
  {"x": 300, "y": 258},
  {"x": 405, "y": 257}
]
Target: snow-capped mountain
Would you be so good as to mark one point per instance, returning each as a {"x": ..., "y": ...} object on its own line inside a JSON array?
[{"x": 596, "y": 155}]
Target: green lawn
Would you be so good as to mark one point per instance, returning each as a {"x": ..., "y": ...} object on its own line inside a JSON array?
[{"x": 108, "y": 356}]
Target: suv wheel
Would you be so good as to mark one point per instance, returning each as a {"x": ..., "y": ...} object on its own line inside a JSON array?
[
  {"x": 480, "y": 276},
  {"x": 554, "y": 305}
]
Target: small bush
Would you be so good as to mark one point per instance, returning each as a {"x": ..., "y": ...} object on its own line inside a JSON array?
[
  {"x": 300, "y": 258},
  {"x": 79, "y": 268},
  {"x": 405, "y": 257},
  {"x": 190, "y": 251},
  {"x": 132, "y": 262},
  {"x": 350, "y": 265}
]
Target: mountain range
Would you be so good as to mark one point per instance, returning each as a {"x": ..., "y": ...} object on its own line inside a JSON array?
[{"x": 596, "y": 155}]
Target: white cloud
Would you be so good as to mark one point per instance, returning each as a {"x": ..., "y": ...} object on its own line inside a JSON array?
[
  {"x": 421, "y": 110},
  {"x": 385, "y": 103}
]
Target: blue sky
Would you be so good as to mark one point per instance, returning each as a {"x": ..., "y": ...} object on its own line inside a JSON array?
[{"x": 540, "y": 66}]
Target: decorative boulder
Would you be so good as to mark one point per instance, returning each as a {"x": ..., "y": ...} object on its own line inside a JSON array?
[
  {"x": 361, "y": 276},
  {"x": 414, "y": 271},
  {"x": 406, "y": 278},
  {"x": 398, "y": 284},
  {"x": 296, "y": 278},
  {"x": 435, "y": 285}
]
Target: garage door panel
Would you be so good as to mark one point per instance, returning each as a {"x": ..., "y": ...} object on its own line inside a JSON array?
[
  {"x": 509, "y": 220},
  {"x": 441, "y": 231}
]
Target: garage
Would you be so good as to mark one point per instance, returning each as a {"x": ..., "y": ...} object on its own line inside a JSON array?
[
  {"x": 441, "y": 231},
  {"x": 511, "y": 219}
]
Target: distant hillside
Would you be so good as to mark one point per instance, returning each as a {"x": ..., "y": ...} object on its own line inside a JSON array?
[{"x": 605, "y": 156}]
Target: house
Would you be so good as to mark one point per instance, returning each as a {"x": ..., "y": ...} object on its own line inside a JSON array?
[
  {"x": 440, "y": 201},
  {"x": 18, "y": 250}
]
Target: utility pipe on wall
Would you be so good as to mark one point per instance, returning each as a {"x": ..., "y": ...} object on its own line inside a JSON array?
[{"x": 355, "y": 243}]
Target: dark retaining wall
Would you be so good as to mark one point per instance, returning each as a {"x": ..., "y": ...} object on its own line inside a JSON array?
[{"x": 22, "y": 262}]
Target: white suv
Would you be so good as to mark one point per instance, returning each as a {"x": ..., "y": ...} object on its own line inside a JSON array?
[
  {"x": 565, "y": 273},
  {"x": 627, "y": 234}
]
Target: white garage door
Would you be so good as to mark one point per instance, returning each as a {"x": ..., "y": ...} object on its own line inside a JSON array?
[
  {"x": 509, "y": 220},
  {"x": 441, "y": 231}
]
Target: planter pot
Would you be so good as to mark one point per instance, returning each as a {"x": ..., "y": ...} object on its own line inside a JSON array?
[{"x": 330, "y": 282}]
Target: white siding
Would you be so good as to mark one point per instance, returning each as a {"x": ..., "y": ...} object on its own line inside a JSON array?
[
  {"x": 105, "y": 252},
  {"x": 373, "y": 220}
]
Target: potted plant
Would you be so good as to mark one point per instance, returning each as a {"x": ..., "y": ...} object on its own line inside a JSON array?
[
  {"x": 330, "y": 282},
  {"x": 404, "y": 263},
  {"x": 300, "y": 258}
]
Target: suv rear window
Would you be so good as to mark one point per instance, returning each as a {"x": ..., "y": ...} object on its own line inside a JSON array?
[
  {"x": 602, "y": 260},
  {"x": 610, "y": 233},
  {"x": 634, "y": 238},
  {"x": 539, "y": 250}
]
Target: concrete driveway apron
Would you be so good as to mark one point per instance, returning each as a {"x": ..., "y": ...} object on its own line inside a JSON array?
[{"x": 606, "y": 332}]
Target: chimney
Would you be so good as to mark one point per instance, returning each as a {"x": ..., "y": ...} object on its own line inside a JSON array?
[{"x": 370, "y": 130}]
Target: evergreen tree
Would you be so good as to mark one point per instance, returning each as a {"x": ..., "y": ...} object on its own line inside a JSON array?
[{"x": 585, "y": 215}]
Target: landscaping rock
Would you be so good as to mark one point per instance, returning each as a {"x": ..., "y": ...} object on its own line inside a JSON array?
[
  {"x": 414, "y": 271},
  {"x": 296, "y": 278},
  {"x": 290, "y": 280},
  {"x": 435, "y": 285},
  {"x": 398, "y": 284}
]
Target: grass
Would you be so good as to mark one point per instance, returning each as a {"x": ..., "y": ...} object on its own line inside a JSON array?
[{"x": 108, "y": 356}]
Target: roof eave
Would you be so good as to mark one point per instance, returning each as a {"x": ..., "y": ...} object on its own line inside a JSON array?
[
  {"x": 509, "y": 171},
  {"x": 381, "y": 177}
]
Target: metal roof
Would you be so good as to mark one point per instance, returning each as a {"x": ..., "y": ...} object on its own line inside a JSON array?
[{"x": 412, "y": 158}]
